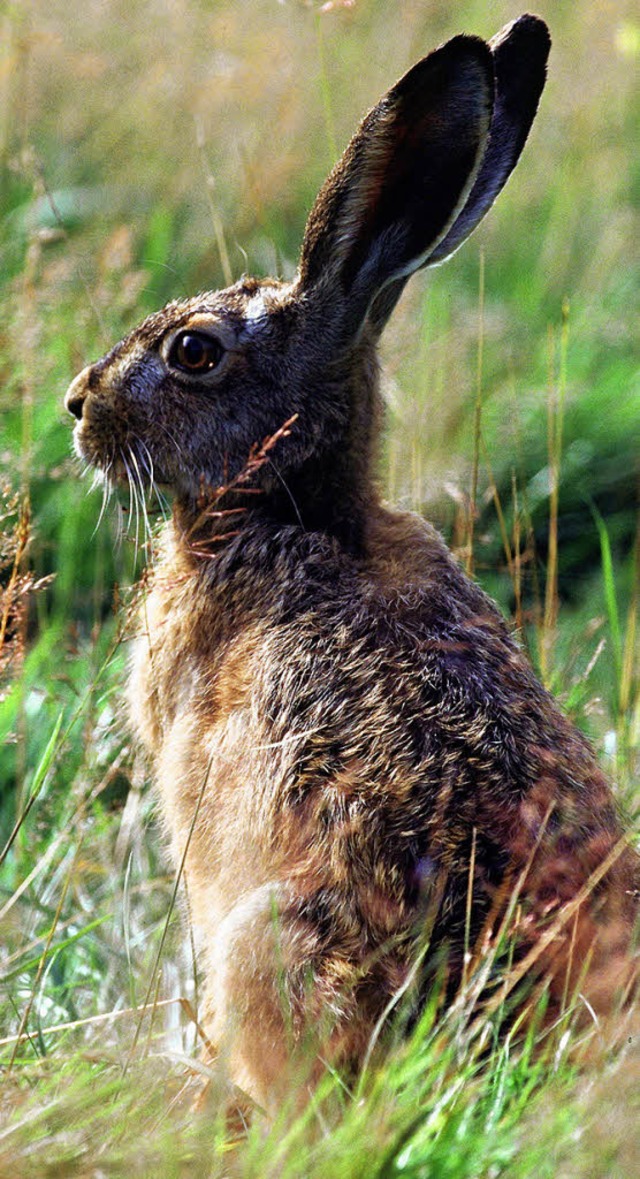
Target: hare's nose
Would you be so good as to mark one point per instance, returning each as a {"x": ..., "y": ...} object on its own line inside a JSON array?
[{"x": 76, "y": 393}]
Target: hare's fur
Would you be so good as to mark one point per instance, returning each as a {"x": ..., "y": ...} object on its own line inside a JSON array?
[{"x": 339, "y": 721}]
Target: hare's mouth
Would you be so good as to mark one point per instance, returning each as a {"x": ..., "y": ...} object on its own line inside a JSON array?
[
  {"x": 138, "y": 493},
  {"x": 132, "y": 469},
  {"x": 118, "y": 462},
  {"x": 125, "y": 467}
]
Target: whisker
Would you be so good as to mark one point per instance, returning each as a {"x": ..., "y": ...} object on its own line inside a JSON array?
[
  {"x": 106, "y": 496},
  {"x": 148, "y": 465},
  {"x": 119, "y": 524},
  {"x": 143, "y": 500},
  {"x": 146, "y": 460},
  {"x": 174, "y": 442},
  {"x": 287, "y": 489},
  {"x": 96, "y": 482},
  {"x": 133, "y": 503},
  {"x": 163, "y": 502}
]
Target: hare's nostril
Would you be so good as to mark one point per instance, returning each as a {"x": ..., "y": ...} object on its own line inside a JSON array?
[
  {"x": 74, "y": 405},
  {"x": 76, "y": 394}
]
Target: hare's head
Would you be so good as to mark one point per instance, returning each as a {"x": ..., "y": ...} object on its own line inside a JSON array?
[{"x": 185, "y": 397}]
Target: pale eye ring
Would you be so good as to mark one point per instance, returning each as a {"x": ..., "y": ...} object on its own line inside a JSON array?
[{"x": 195, "y": 352}]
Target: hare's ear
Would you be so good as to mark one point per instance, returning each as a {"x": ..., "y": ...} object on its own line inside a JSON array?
[
  {"x": 401, "y": 183},
  {"x": 520, "y": 53}
]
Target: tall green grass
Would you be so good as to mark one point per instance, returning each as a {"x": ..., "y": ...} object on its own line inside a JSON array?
[{"x": 151, "y": 151}]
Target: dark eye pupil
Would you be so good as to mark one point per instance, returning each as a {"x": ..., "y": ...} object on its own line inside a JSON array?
[{"x": 195, "y": 352}]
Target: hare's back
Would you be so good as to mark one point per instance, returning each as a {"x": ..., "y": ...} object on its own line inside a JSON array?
[{"x": 397, "y": 674}]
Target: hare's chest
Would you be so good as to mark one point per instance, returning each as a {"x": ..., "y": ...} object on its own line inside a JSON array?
[
  {"x": 163, "y": 670},
  {"x": 193, "y": 699}
]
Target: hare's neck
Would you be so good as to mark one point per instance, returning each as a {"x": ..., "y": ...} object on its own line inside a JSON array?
[
  {"x": 333, "y": 491},
  {"x": 321, "y": 497}
]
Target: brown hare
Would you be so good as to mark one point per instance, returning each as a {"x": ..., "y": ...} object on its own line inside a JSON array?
[{"x": 347, "y": 740}]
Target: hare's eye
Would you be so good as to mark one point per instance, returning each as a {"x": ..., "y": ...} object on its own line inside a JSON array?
[{"x": 195, "y": 352}]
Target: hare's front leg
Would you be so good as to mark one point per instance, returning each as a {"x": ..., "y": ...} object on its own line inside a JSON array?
[{"x": 281, "y": 1001}]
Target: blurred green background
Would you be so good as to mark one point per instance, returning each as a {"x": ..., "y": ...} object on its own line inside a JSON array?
[{"x": 151, "y": 150}]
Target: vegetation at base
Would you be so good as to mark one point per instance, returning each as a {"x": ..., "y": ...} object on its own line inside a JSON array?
[{"x": 151, "y": 151}]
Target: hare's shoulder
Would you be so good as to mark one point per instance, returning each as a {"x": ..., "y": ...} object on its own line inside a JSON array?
[
  {"x": 291, "y": 621},
  {"x": 404, "y": 551},
  {"x": 280, "y": 598},
  {"x": 400, "y": 631}
]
